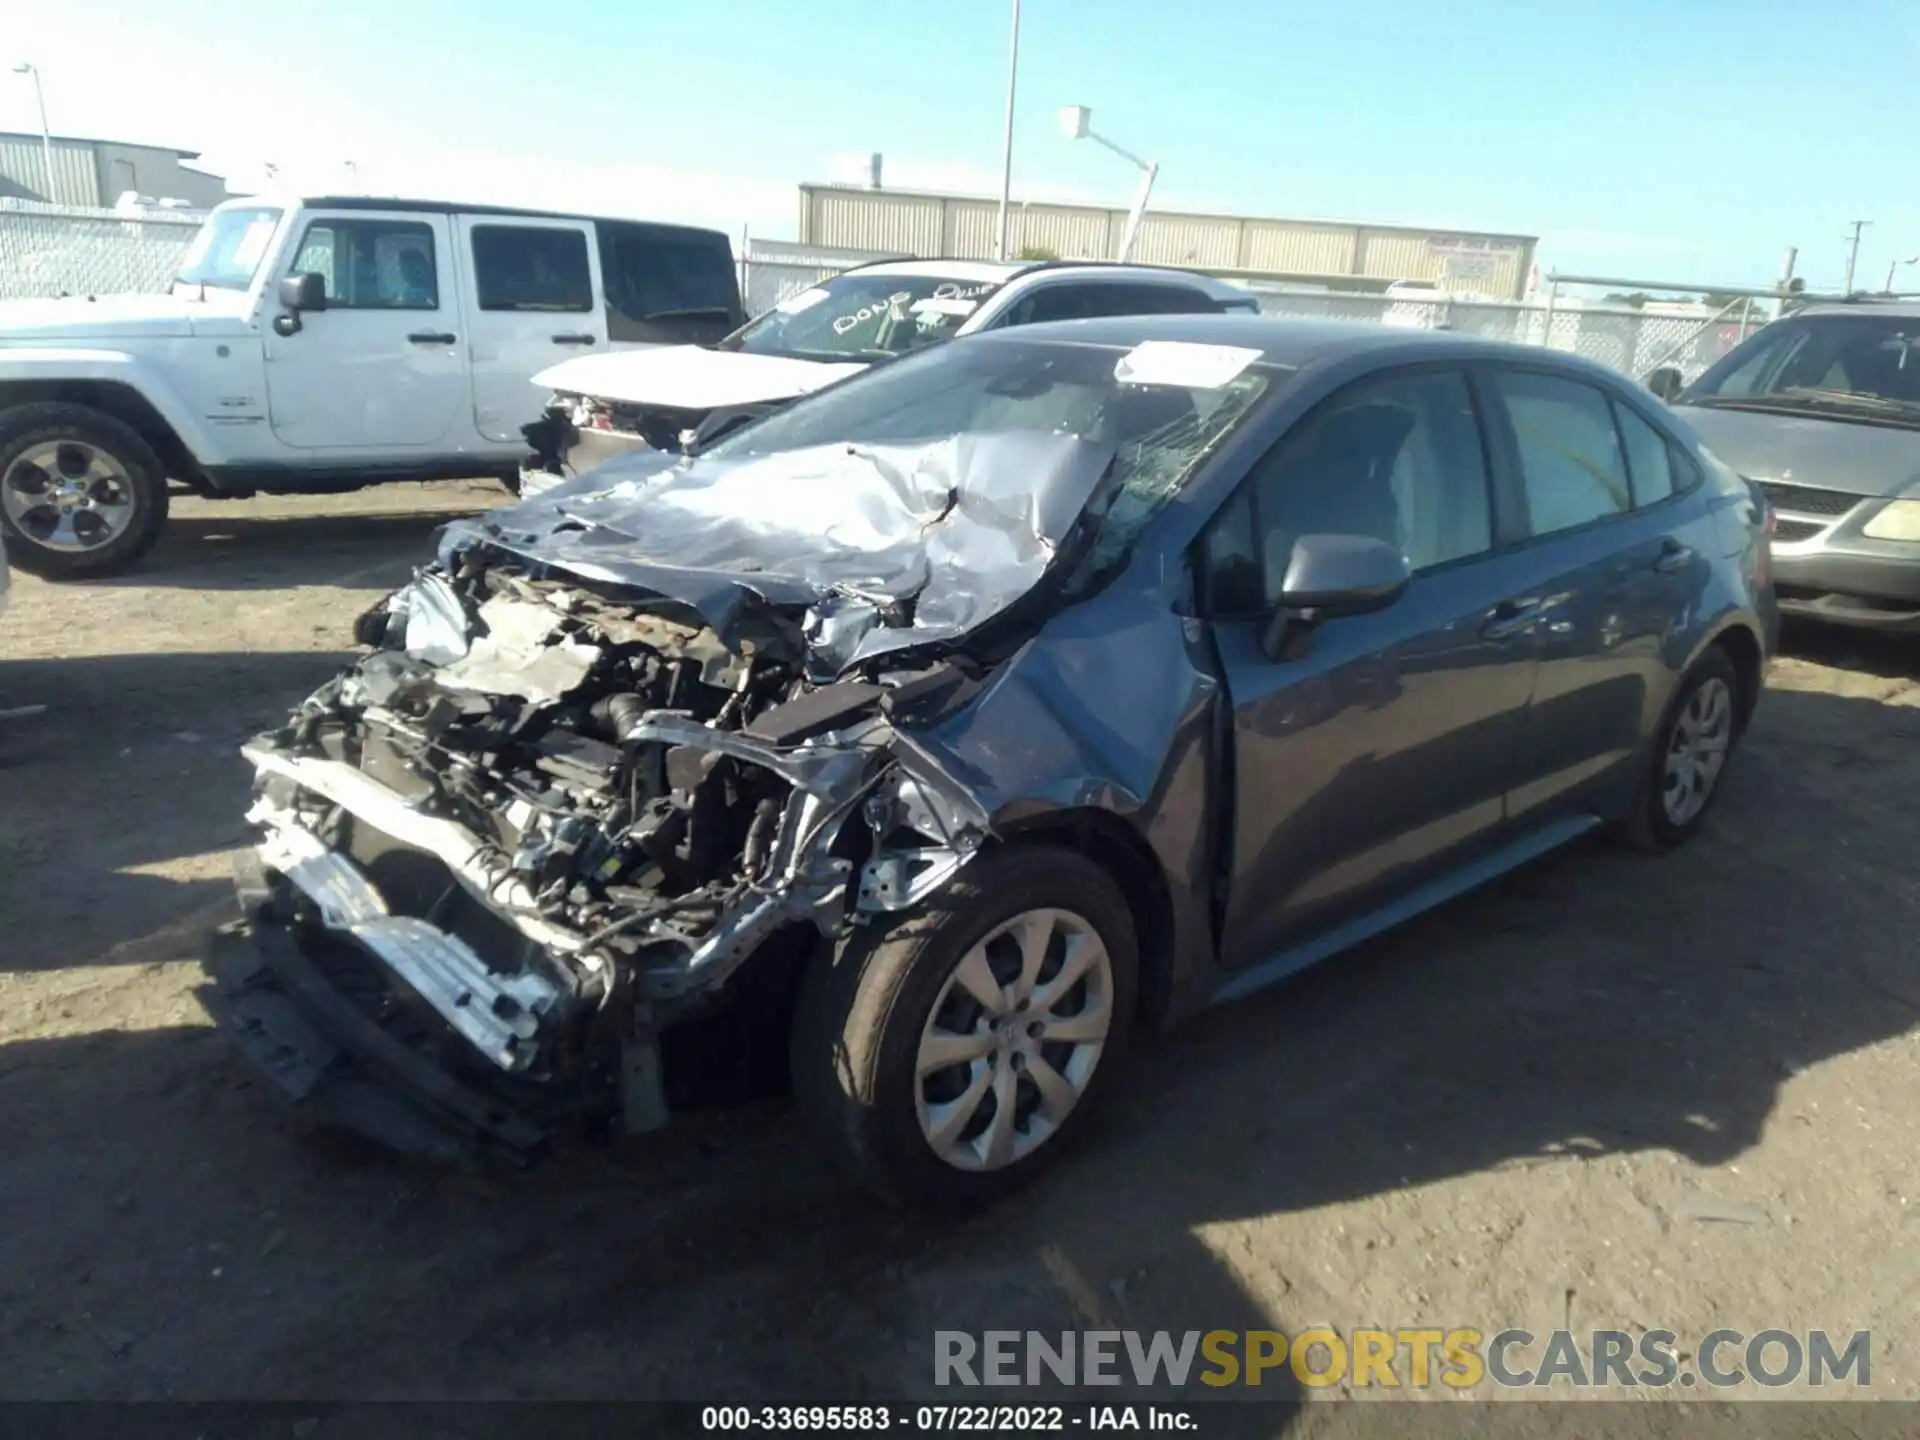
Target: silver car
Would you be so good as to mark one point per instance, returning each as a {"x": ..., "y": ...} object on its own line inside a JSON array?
[{"x": 1822, "y": 409}]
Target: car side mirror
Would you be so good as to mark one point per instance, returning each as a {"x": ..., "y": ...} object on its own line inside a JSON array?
[
  {"x": 1333, "y": 575},
  {"x": 1665, "y": 382},
  {"x": 305, "y": 291}
]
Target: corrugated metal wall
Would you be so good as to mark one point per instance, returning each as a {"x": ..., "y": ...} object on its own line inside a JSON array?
[
  {"x": 965, "y": 227},
  {"x": 75, "y": 181}
]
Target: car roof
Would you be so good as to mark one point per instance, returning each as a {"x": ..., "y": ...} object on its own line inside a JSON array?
[
  {"x": 1293, "y": 343},
  {"x": 1863, "y": 305},
  {"x": 453, "y": 207}
]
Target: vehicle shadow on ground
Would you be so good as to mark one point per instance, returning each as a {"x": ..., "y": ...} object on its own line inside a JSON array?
[
  {"x": 1595, "y": 1003},
  {"x": 134, "y": 764},
  {"x": 1888, "y": 657}
]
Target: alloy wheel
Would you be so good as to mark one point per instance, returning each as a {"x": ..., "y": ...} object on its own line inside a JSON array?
[
  {"x": 1013, "y": 1039},
  {"x": 1697, "y": 751},
  {"x": 68, "y": 495}
]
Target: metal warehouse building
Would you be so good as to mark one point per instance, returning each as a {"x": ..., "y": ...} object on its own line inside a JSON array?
[
  {"x": 1335, "y": 253},
  {"x": 96, "y": 173}
]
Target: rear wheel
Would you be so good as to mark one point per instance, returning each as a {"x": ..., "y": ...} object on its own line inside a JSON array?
[
  {"x": 948, "y": 1058},
  {"x": 81, "y": 493},
  {"x": 1689, "y": 760}
]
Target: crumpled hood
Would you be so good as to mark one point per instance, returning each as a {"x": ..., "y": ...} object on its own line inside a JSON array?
[
  {"x": 690, "y": 377},
  {"x": 884, "y": 546},
  {"x": 76, "y": 317},
  {"x": 1828, "y": 454}
]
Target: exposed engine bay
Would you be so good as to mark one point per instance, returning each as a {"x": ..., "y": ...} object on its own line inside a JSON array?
[{"x": 558, "y": 807}]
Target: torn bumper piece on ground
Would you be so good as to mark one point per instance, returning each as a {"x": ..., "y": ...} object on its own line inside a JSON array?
[{"x": 614, "y": 748}]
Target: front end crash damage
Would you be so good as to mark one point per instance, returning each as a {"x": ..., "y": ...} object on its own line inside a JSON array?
[{"x": 600, "y": 758}]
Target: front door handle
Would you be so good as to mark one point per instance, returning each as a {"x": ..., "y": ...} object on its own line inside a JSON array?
[
  {"x": 432, "y": 337},
  {"x": 573, "y": 339},
  {"x": 1673, "y": 556},
  {"x": 1510, "y": 617}
]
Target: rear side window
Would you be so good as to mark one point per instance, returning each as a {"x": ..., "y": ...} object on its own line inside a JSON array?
[
  {"x": 655, "y": 279},
  {"x": 1570, "y": 453},
  {"x": 526, "y": 267},
  {"x": 1054, "y": 302},
  {"x": 371, "y": 264},
  {"x": 1155, "y": 300},
  {"x": 1650, "y": 458}
]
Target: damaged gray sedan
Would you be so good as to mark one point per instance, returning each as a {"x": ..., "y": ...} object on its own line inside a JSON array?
[{"x": 935, "y": 733}]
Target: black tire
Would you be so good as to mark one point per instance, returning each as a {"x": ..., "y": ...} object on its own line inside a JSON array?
[
  {"x": 1647, "y": 825},
  {"x": 29, "y": 425},
  {"x": 862, "y": 1010}
]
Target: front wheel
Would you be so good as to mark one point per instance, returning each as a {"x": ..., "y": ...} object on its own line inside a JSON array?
[
  {"x": 946, "y": 1059},
  {"x": 81, "y": 493}
]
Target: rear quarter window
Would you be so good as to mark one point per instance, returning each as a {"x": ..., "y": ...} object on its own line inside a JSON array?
[{"x": 667, "y": 287}]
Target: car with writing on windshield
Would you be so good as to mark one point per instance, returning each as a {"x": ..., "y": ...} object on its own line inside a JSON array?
[
  {"x": 1822, "y": 409},
  {"x": 936, "y": 734},
  {"x": 673, "y": 396}
]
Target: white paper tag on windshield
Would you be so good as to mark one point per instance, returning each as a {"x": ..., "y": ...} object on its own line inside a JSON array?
[
  {"x": 1177, "y": 362},
  {"x": 805, "y": 300},
  {"x": 942, "y": 305}
]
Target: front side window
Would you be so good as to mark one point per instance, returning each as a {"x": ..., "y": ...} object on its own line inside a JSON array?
[
  {"x": 1570, "y": 454},
  {"x": 371, "y": 264},
  {"x": 226, "y": 252},
  {"x": 531, "y": 267},
  {"x": 1398, "y": 459}
]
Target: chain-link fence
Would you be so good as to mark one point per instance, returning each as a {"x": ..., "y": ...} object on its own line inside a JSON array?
[
  {"x": 50, "y": 250},
  {"x": 1629, "y": 339}
]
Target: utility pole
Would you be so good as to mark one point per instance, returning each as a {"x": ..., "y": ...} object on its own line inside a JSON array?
[{"x": 1853, "y": 255}]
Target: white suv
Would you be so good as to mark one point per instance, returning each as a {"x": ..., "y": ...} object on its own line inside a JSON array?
[
  {"x": 605, "y": 405},
  {"x": 322, "y": 344}
]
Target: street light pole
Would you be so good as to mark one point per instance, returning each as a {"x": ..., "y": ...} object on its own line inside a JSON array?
[
  {"x": 46, "y": 136},
  {"x": 1073, "y": 124},
  {"x": 1006, "y": 162},
  {"x": 1911, "y": 260}
]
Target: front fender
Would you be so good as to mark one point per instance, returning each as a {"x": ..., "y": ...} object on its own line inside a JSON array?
[
  {"x": 45, "y": 364},
  {"x": 1112, "y": 708}
]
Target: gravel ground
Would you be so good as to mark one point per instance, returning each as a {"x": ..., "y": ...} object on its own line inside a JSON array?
[{"x": 1610, "y": 1091}]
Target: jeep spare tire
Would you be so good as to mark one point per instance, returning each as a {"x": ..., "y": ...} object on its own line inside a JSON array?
[{"x": 81, "y": 493}]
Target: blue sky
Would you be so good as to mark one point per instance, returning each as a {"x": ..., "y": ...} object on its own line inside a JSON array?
[{"x": 1691, "y": 140}]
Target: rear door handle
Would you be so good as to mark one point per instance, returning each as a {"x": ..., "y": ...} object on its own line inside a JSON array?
[
  {"x": 573, "y": 339},
  {"x": 1510, "y": 617},
  {"x": 1673, "y": 556},
  {"x": 432, "y": 337}
]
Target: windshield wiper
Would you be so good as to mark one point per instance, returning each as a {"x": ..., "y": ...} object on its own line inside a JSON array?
[
  {"x": 692, "y": 312},
  {"x": 1801, "y": 401}
]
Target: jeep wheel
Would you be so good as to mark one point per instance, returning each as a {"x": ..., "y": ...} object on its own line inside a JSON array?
[
  {"x": 80, "y": 492},
  {"x": 947, "y": 1058}
]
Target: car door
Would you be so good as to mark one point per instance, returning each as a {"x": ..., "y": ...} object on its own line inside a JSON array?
[
  {"x": 379, "y": 369},
  {"x": 1377, "y": 752},
  {"x": 533, "y": 301},
  {"x": 1601, "y": 583}
]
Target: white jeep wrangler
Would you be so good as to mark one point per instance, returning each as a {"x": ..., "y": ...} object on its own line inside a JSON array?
[{"x": 322, "y": 344}]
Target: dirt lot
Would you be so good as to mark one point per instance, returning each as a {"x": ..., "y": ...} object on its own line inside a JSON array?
[{"x": 1620, "y": 1092}]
